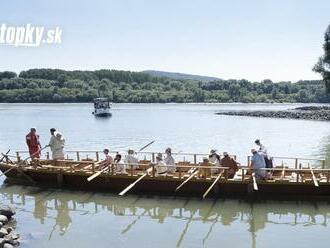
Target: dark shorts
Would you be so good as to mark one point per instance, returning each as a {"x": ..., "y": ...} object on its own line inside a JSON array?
[{"x": 269, "y": 163}]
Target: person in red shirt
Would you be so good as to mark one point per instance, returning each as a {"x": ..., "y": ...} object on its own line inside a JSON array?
[{"x": 32, "y": 141}]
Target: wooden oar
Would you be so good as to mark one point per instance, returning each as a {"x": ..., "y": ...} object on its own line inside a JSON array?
[
  {"x": 135, "y": 182},
  {"x": 141, "y": 177},
  {"x": 146, "y": 146},
  {"x": 185, "y": 181},
  {"x": 212, "y": 185},
  {"x": 313, "y": 177},
  {"x": 4, "y": 155},
  {"x": 98, "y": 173},
  {"x": 255, "y": 185}
]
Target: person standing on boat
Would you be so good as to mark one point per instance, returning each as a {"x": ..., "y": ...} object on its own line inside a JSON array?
[
  {"x": 161, "y": 168},
  {"x": 56, "y": 144},
  {"x": 263, "y": 151},
  {"x": 229, "y": 162},
  {"x": 52, "y": 139},
  {"x": 131, "y": 159},
  {"x": 258, "y": 162},
  {"x": 120, "y": 166},
  {"x": 214, "y": 159},
  {"x": 33, "y": 143},
  {"x": 169, "y": 160}
]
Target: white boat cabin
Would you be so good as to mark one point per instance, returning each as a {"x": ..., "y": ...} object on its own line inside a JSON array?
[{"x": 102, "y": 107}]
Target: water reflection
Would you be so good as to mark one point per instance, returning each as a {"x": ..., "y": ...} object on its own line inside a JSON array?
[
  {"x": 325, "y": 151},
  {"x": 61, "y": 213}
]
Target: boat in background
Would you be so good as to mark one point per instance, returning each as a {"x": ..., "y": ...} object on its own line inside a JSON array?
[{"x": 102, "y": 107}]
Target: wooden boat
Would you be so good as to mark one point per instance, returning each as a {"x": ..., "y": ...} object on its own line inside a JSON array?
[{"x": 304, "y": 178}]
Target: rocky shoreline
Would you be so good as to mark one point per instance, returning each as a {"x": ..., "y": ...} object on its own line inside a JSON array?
[
  {"x": 8, "y": 237},
  {"x": 320, "y": 113}
]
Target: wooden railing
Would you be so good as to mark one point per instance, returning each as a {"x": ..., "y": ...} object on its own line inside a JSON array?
[
  {"x": 86, "y": 154},
  {"x": 292, "y": 162}
]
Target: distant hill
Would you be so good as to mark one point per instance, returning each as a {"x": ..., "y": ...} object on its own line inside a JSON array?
[{"x": 180, "y": 76}]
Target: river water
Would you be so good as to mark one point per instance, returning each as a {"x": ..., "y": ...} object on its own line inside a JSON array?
[{"x": 59, "y": 218}]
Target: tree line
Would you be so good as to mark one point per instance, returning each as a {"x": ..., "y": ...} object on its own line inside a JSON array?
[{"x": 53, "y": 85}]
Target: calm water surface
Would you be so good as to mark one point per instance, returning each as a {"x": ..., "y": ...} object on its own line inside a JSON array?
[{"x": 57, "y": 218}]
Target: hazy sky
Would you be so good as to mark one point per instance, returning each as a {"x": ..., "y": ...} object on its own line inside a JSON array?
[{"x": 252, "y": 39}]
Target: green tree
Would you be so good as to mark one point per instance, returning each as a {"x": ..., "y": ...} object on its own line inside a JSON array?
[
  {"x": 323, "y": 64},
  {"x": 7, "y": 74}
]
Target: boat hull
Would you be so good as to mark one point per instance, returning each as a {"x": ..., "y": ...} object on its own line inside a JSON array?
[
  {"x": 102, "y": 114},
  {"x": 167, "y": 185}
]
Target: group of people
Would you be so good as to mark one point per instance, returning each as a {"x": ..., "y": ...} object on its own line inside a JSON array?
[
  {"x": 164, "y": 165},
  {"x": 56, "y": 144}
]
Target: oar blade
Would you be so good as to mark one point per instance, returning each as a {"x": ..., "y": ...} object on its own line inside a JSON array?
[
  {"x": 255, "y": 185},
  {"x": 135, "y": 182},
  {"x": 93, "y": 176},
  {"x": 127, "y": 189}
]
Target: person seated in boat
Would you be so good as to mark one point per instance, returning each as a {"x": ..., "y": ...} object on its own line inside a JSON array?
[
  {"x": 214, "y": 159},
  {"x": 161, "y": 168},
  {"x": 205, "y": 172},
  {"x": 229, "y": 162},
  {"x": 169, "y": 160},
  {"x": 33, "y": 143},
  {"x": 263, "y": 151},
  {"x": 108, "y": 160},
  {"x": 119, "y": 165},
  {"x": 56, "y": 144},
  {"x": 131, "y": 159},
  {"x": 257, "y": 163}
]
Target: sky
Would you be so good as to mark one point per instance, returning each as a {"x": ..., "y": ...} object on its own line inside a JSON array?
[{"x": 252, "y": 39}]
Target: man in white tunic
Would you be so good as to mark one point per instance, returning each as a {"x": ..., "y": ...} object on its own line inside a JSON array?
[
  {"x": 214, "y": 159},
  {"x": 262, "y": 149},
  {"x": 57, "y": 145},
  {"x": 131, "y": 159},
  {"x": 120, "y": 166},
  {"x": 161, "y": 168},
  {"x": 169, "y": 160},
  {"x": 52, "y": 140},
  {"x": 263, "y": 152}
]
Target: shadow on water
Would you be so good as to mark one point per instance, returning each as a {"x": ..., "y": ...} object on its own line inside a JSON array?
[
  {"x": 103, "y": 118},
  {"x": 59, "y": 209}
]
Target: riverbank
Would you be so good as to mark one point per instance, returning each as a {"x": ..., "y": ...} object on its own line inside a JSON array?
[
  {"x": 8, "y": 237},
  {"x": 319, "y": 113}
]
